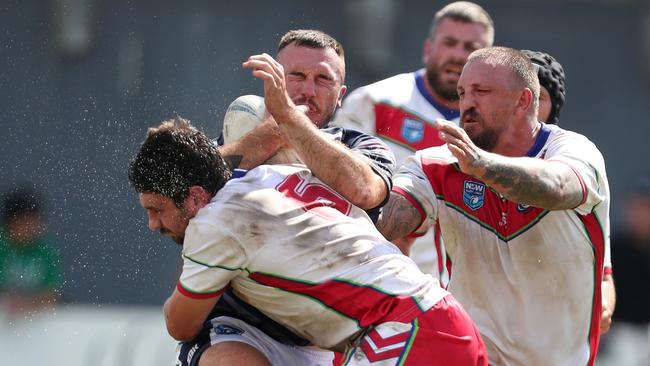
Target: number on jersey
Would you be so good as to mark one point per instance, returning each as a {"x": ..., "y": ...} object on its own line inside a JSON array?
[{"x": 315, "y": 197}]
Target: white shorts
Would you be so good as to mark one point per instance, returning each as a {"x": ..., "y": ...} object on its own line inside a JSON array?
[{"x": 227, "y": 329}]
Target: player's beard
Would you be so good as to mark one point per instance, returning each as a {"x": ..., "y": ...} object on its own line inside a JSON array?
[
  {"x": 180, "y": 237},
  {"x": 487, "y": 138},
  {"x": 445, "y": 91}
]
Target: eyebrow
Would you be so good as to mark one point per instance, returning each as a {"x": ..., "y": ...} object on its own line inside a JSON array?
[{"x": 326, "y": 76}]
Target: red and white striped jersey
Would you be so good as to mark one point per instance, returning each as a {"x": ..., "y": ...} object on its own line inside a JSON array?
[
  {"x": 530, "y": 278},
  {"x": 400, "y": 111},
  {"x": 296, "y": 250}
]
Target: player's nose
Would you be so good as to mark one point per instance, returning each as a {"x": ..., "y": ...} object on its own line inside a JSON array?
[
  {"x": 154, "y": 223},
  {"x": 308, "y": 88}
]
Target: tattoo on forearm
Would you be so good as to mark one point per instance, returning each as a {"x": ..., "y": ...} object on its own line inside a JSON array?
[
  {"x": 233, "y": 161},
  {"x": 399, "y": 218},
  {"x": 530, "y": 186}
]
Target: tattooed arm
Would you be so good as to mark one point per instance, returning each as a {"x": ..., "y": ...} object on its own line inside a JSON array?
[
  {"x": 398, "y": 219},
  {"x": 546, "y": 184}
]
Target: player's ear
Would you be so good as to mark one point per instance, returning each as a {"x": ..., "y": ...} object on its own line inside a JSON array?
[
  {"x": 197, "y": 197},
  {"x": 342, "y": 92},
  {"x": 525, "y": 102},
  {"x": 426, "y": 48}
]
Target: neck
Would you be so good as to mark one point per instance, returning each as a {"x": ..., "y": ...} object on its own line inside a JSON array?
[
  {"x": 517, "y": 142},
  {"x": 451, "y": 104}
]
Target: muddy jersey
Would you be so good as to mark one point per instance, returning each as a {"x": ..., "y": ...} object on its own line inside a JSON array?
[
  {"x": 400, "y": 111},
  {"x": 296, "y": 250},
  {"x": 530, "y": 278}
]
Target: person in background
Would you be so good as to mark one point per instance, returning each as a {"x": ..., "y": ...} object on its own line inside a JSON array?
[
  {"x": 30, "y": 273},
  {"x": 552, "y": 93},
  {"x": 401, "y": 109}
]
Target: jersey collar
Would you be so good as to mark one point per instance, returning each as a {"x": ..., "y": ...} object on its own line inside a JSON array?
[
  {"x": 448, "y": 113},
  {"x": 542, "y": 137}
]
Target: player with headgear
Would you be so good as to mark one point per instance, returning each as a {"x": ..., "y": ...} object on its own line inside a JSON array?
[{"x": 552, "y": 80}]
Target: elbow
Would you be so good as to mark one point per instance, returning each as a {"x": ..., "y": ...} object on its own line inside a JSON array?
[
  {"x": 365, "y": 201},
  {"x": 369, "y": 196},
  {"x": 182, "y": 332}
]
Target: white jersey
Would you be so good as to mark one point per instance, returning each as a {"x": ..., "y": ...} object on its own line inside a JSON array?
[
  {"x": 530, "y": 278},
  {"x": 400, "y": 111},
  {"x": 297, "y": 251}
]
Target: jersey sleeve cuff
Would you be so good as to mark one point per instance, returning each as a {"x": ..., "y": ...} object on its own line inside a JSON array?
[
  {"x": 196, "y": 295},
  {"x": 582, "y": 182},
  {"x": 413, "y": 201}
]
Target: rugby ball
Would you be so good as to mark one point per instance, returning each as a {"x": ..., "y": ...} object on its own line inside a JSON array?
[
  {"x": 242, "y": 115},
  {"x": 246, "y": 113}
]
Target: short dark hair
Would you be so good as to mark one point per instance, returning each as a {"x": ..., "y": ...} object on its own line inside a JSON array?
[
  {"x": 312, "y": 38},
  {"x": 551, "y": 77},
  {"x": 20, "y": 202},
  {"x": 467, "y": 12},
  {"x": 174, "y": 157}
]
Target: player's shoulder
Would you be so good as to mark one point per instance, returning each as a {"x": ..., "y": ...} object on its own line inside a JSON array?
[
  {"x": 388, "y": 87},
  {"x": 562, "y": 138},
  {"x": 244, "y": 195},
  {"x": 438, "y": 153},
  {"x": 557, "y": 132}
]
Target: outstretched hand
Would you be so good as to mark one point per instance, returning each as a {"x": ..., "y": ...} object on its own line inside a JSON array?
[
  {"x": 270, "y": 71},
  {"x": 460, "y": 145}
]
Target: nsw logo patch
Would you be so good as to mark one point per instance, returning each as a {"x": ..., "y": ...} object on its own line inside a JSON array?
[
  {"x": 473, "y": 194},
  {"x": 412, "y": 130},
  {"x": 227, "y": 329}
]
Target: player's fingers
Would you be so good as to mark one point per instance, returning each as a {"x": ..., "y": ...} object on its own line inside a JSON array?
[
  {"x": 265, "y": 71},
  {"x": 277, "y": 67},
  {"x": 451, "y": 139},
  {"x": 266, "y": 77},
  {"x": 459, "y": 153},
  {"x": 450, "y": 128},
  {"x": 268, "y": 62},
  {"x": 258, "y": 64}
]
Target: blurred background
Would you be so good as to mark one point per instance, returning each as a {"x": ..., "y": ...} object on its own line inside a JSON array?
[{"x": 81, "y": 80}]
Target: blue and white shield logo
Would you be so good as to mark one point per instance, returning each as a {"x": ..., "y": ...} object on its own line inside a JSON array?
[
  {"x": 227, "y": 329},
  {"x": 473, "y": 194},
  {"x": 412, "y": 130}
]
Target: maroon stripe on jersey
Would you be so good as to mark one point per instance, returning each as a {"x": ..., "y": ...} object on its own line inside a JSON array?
[
  {"x": 389, "y": 124},
  {"x": 413, "y": 201},
  {"x": 364, "y": 304},
  {"x": 449, "y": 272},
  {"x": 438, "y": 244},
  {"x": 597, "y": 237},
  {"x": 198, "y": 296},
  {"x": 582, "y": 182},
  {"x": 505, "y": 218}
]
